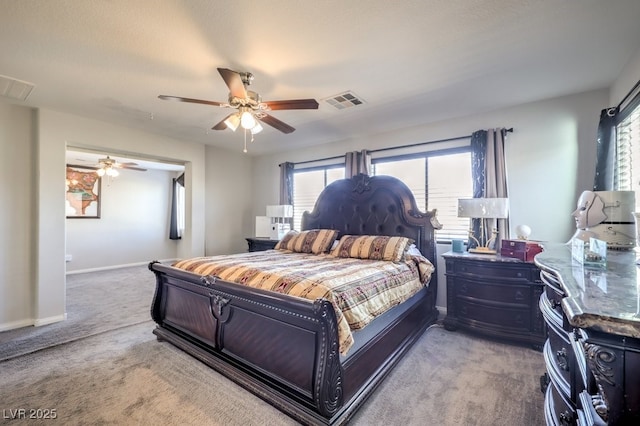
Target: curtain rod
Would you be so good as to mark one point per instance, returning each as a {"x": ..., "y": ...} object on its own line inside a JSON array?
[
  {"x": 509, "y": 130},
  {"x": 420, "y": 143},
  {"x": 628, "y": 94}
]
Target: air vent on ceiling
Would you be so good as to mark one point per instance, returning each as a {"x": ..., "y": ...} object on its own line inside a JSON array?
[
  {"x": 15, "y": 89},
  {"x": 344, "y": 100}
]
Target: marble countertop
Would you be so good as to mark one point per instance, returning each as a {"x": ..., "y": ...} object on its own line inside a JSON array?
[{"x": 605, "y": 299}]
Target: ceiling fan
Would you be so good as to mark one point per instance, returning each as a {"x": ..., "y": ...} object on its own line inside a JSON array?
[
  {"x": 250, "y": 108},
  {"x": 108, "y": 166}
]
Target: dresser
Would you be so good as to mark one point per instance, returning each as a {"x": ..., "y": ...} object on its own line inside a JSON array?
[
  {"x": 259, "y": 244},
  {"x": 592, "y": 353},
  {"x": 494, "y": 295}
]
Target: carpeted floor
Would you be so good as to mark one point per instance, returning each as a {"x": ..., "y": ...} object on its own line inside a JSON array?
[
  {"x": 91, "y": 309},
  {"x": 123, "y": 375}
]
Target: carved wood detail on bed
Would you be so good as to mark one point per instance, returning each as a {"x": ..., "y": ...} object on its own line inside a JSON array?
[{"x": 285, "y": 349}]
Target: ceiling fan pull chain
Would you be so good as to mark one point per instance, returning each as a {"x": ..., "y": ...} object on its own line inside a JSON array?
[{"x": 245, "y": 141}]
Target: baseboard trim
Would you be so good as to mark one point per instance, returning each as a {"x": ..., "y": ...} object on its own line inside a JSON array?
[
  {"x": 49, "y": 320},
  {"x": 106, "y": 268},
  {"x": 16, "y": 324}
]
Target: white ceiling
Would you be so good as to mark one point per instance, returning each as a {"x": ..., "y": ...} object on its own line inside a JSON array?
[{"x": 412, "y": 61}]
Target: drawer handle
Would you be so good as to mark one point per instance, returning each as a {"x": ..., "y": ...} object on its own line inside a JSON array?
[
  {"x": 519, "y": 274},
  {"x": 563, "y": 362},
  {"x": 464, "y": 288}
]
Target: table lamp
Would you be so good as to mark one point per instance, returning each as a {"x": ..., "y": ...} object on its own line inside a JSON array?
[
  {"x": 483, "y": 209},
  {"x": 278, "y": 214}
]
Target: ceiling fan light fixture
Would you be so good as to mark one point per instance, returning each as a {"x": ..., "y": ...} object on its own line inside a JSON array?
[
  {"x": 107, "y": 170},
  {"x": 233, "y": 121},
  {"x": 256, "y": 129},
  {"x": 247, "y": 120}
]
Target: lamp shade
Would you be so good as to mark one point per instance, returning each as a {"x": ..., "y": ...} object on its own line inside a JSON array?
[
  {"x": 233, "y": 121},
  {"x": 256, "y": 129},
  {"x": 247, "y": 121},
  {"x": 285, "y": 210},
  {"x": 490, "y": 208}
]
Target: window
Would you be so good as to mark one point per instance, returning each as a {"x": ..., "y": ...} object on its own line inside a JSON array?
[
  {"x": 627, "y": 176},
  {"x": 437, "y": 180},
  {"x": 307, "y": 186},
  {"x": 181, "y": 208}
]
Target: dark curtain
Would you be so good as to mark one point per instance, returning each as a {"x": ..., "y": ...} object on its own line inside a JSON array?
[
  {"x": 606, "y": 150},
  {"x": 356, "y": 163},
  {"x": 174, "y": 232},
  {"x": 478, "y": 174},
  {"x": 495, "y": 184},
  {"x": 286, "y": 187},
  {"x": 286, "y": 183}
]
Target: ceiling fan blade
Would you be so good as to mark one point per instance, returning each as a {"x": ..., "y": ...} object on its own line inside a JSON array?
[
  {"x": 292, "y": 104},
  {"x": 190, "y": 100},
  {"x": 275, "y": 123},
  {"x": 234, "y": 82},
  {"x": 140, "y": 169},
  {"x": 128, "y": 164},
  {"x": 221, "y": 125}
]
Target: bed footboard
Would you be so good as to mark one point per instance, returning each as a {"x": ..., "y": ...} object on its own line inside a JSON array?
[{"x": 282, "y": 348}]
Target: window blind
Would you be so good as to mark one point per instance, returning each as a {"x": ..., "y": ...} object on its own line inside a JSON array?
[{"x": 627, "y": 176}]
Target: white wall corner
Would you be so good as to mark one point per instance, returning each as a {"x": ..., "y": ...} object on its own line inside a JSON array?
[
  {"x": 12, "y": 325},
  {"x": 50, "y": 320}
]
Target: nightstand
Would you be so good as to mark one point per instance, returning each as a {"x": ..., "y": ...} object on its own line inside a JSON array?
[
  {"x": 494, "y": 295},
  {"x": 259, "y": 244}
]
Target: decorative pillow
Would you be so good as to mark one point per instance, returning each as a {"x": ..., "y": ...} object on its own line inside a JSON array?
[
  {"x": 314, "y": 241},
  {"x": 373, "y": 247}
]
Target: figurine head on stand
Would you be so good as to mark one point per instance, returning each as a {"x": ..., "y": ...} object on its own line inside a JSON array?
[{"x": 607, "y": 216}]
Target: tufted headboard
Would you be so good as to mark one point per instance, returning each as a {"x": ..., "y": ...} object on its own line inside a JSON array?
[{"x": 373, "y": 205}]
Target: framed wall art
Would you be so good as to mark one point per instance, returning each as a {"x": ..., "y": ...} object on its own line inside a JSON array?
[{"x": 83, "y": 192}]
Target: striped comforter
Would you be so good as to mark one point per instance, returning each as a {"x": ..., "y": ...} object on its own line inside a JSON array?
[{"x": 359, "y": 290}]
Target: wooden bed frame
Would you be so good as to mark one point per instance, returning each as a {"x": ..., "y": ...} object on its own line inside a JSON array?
[{"x": 285, "y": 350}]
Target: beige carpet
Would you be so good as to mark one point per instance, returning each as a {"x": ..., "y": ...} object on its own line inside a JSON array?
[
  {"x": 125, "y": 376},
  {"x": 92, "y": 308}
]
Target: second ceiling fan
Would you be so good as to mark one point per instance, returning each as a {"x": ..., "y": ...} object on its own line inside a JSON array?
[{"x": 251, "y": 110}]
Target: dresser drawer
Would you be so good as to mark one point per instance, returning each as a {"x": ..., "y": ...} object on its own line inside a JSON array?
[
  {"x": 557, "y": 357},
  {"x": 514, "y": 319},
  {"x": 558, "y": 410},
  {"x": 552, "y": 282},
  {"x": 552, "y": 312},
  {"x": 554, "y": 300},
  {"x": 501, "y": 271},
  {"x": 496, "y": 293}
]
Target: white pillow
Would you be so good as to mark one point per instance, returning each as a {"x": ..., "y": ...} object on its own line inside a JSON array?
[{"x": 414, "y": 251}]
